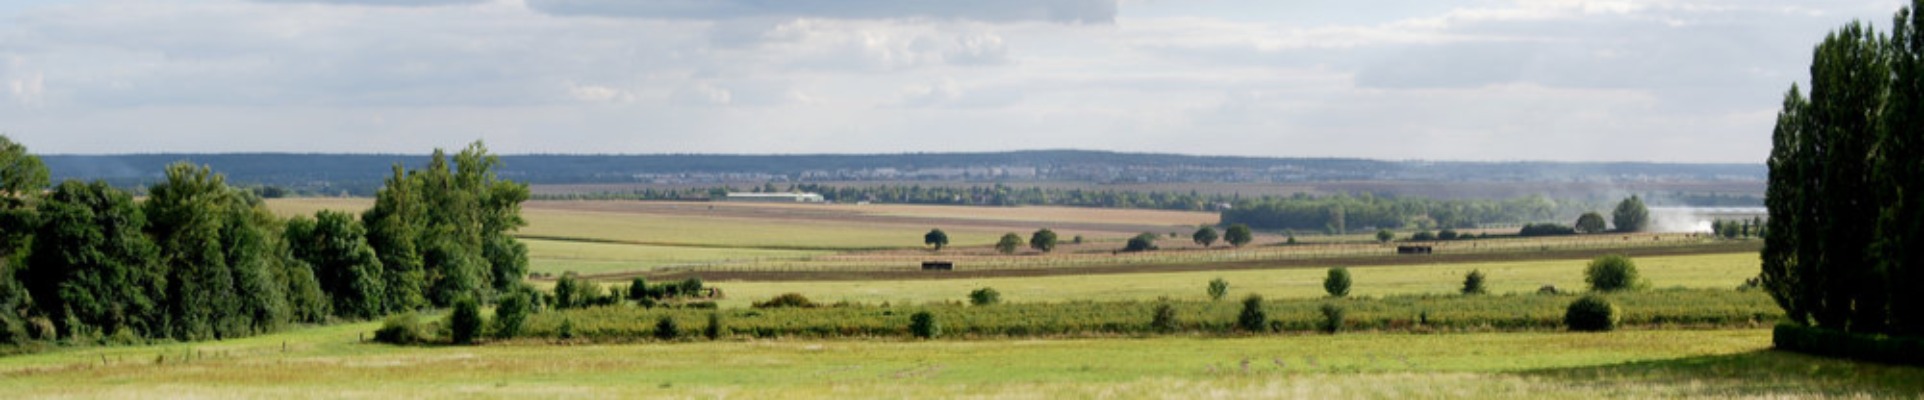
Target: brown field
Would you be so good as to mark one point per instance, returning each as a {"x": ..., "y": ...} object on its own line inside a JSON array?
[{"x": 1445, "y": 190}]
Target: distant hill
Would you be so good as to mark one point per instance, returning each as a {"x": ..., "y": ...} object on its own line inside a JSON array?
[{"x": 361, "y": 173}]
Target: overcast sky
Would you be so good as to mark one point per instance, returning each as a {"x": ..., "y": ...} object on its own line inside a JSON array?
[{"x": 1662, "y": 80}]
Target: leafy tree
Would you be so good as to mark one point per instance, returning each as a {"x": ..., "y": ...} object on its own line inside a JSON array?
[
  {"x": 91, "y": 264},
  {"x": 1337, "y": 283},
  {"x": 511, "y": 313},
  {"x": 1332, "y": 318},
  {"x": 1631, "y": 215},
  {"x": 691, "y": 286},
  {"x": 1164, "y": 321},
  {"x": 713, "y": 330},
  {"x": 22, "y": 176},
  {"x": 1591, "y": 313},
  {"x": 1611, "y": 273},
  {"x": 464, "y": 322},
  {"x": 1384, "y": 235},
  {"x": 1218, "y": 288},
  {"x": 1043, "y": 240},
  {"x": 226, "y": 276},
  {"x": 1423, "y": 236},
  {"x": 1009, "y": 243},
  {"x": 1143, "y": 242},
  {"x": 1252, "y": 318},
  {"x": 638, "y": 289},
  {"x": 937, "y": 238},
  {"x": 1205, "y": 236},
  {"x": 1447, "y": 234},
  {"x": 1473, "y": 283},
  {"x": 1591, "y": 222},
  {"x": 923, "y": 325},
  {"x": 1900, "y": 224},
  {"x": 1238, "y": 235},
  {"x": 568, "y": 291},
  {"x": 666, "y": 328},
  {"x": 442, "y": 231},
  {"x": 394, "y": 225},
  {"x": 985, "y": 296},
  {"x": 335, "y": 245}
]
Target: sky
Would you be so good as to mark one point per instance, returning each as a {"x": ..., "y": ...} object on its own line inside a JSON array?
[{"x": 1564, "y": 80}]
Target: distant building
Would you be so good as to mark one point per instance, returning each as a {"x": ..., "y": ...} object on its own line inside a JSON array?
[{"x": 775, "y": 197}]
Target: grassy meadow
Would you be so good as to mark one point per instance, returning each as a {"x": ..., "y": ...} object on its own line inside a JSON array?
[{"x": 331, "y": 362}]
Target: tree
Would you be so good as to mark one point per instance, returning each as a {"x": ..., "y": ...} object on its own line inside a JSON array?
[
  {"x": 1473, "y": 283},
  {"x": 511, "y": 312},
  {"x": 22, "y": 176},
  {"x": 464, "y": 322},
  {"x": 667, "y": 329},
  {"x": 638, "y": 289},
  {"x": 1218, "y": 288},
  {"x": 985, "y": 296},
  {"x": 1143, "y": 242},
  {"x": 91, "y": 265},
  {"x": 1631, "y": 215},
  {"x": 442, "y": 231},
  {"x": 1337, "y": 283},
  {"x": 1591, "y": 222},
  {"x": 1384, "y": 235},
  {"x": 1238, "y": 235},
  {"x": 335, "y": 245},
  {"x": 1252, "y": 318},
  {"x": 1043, "y": 240},
  {"x": 1009, "y": 243},
  {"x": 937, "y": 238},
  {"x": 1611, "y": 273},
  {"x": 226, "y": 276},
  {"x": 923, "y": 325},
  {"x": 1205, "y": 236}
]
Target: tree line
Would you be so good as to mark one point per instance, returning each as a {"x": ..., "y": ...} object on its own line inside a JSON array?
[
  {"x": 1846, "y": 192},
  {"x": 1342, "y": 213},
  {"x": 198, "y": 259}
]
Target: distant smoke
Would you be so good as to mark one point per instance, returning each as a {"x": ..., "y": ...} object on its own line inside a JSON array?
[{"x": 1696, "y": 219}]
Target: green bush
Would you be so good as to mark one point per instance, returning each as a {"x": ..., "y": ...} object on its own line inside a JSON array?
[
  {"x": 985, "y": 296},
  {"x": 638, "y": 289},
  {"x": 1143, "y": 242},
  {"x": 465, "y": 322},
  {"x": 1611, "y": 273},
  {"x": 714, "y": 329},
  {"x": 1423, "y": 236},
  {"x": 1332, "y": 318},
  {"x": 1165, "y": 318},
  {"x": 566, "y": 330},
  {"x": 1591, "y": 313},
  {"x": 402, "y": 328},
  {"x": 1337, "y": 283},
  {"x": 1252, "y": 318},
  {"x": 1473, "y": 283},
  {"x": 923, "y": 325},
  {"x": 1218, "y": 288},
  {"x": 511, "y": 314},
  {"x": 786, "y": 300},
  {"x": 666, "y": 329}
]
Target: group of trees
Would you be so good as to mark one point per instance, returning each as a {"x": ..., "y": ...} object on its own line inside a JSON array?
[
  {"x": 1340, "y": 214},
  {"x": 199, "y": 259},
  {"x": 1738, "y": 228},
  {"x": 1846, "y": 193}
]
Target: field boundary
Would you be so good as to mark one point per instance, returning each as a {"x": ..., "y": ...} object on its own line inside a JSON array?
[{"x": 1363, "y": 261}]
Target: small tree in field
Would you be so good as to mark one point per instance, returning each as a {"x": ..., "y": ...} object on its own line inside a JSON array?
[
  {"x": 667, "y": 329},
  {"x": 1252, "y": 318},
  {"x": 1009, "y": 243},
  {"x": 1611, "y": 273},
  {"x": 937, "y": 238},
  {"x": 1384, "y": 235},
  {"x": 1591, "y": 222},
  {"x": 714, "y": 329},
  {"x": 1337, "y": 283},
  {"x": 1205, "y": 236},
  {"x": 1238, "y": 235},
  {"x": 638, "y": 289},
  {"x": 1144, "y": 242},
  {"x": 1473, "y": 283},
  {"x": 465, "y": 322},
  {"x": 1631, "y": 215},
  {"x": 1592, "y": 313},
  {"x": 923, "y": 325},
  {"x": 1218, "y": 288},
  {"x": 985, "y": 296},
  {"x": 1043, "y": 240},
  {"x": 511, "y": 313},
  {"x": 1165, "y": 318}
]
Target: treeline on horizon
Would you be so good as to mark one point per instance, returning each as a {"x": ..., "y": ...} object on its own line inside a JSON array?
[{"x": 198, "y": 259}]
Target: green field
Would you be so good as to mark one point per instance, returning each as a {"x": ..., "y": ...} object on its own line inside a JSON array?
[
  {"x": 1697, "y": 271},
  {"x": 329, "y": 362}
]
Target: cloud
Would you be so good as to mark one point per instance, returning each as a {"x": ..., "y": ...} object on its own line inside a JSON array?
[
  {"x": 1000, "y": 11},
  {"x": 386, "y": 3},
  {"x": 948, "y": 94}
]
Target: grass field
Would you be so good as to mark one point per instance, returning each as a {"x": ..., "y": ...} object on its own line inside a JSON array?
[
  {"x": 1720, "y": 271},
  {"x": 329, "y": 362},
  {"x": 558, "y": 256}
]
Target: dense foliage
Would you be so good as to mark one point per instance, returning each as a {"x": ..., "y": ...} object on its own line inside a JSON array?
[
  {"x": 1473, "y": 283},
  {"x": 1846, "y": 214},
  {"x": 985, "y": 296},
  {"x": 1142, "y": 242},
  {"x": 1591, "y": 313},
  {"x": 1341, "y": 214},
  {"x": 1631, "y": 215},
  {"x": 1591, "y": 222},
  {"x": 937, "y": 238},
  {"x": 1239, "y": 235},
  {"x": 1218, "y": 288},
  {"x": 442, "y": 231},
  {"x": 1009, "y": 243},
  {"x": 1545, "y": 229},
  {"x": 1337, "y": 283},
  {"x": 1611, "y": 273},
  {"x": 1252, "y": 318},
  {"x": 1043, "y": 240}
]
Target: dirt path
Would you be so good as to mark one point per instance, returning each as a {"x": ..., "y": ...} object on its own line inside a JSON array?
[{"x": 1575, "y": 255}]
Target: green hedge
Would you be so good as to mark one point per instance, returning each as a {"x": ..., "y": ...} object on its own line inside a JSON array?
[{"x": 1831, "y": 343}]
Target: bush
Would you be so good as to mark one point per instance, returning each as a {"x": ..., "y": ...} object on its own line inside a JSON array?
[
  {"x": 1337, "y": 284},
  {"x": 1473, "y": 283},
  {"x": 1384, "y": 235},
  {"x": 402, "y": 328},
  {"x": 784, "y": 300},
  {"x": 1611, "y": 273},
  {"x": 465, "y": 322},
  {"x": 1252, "y": 318},
  {"x": 1332, "y": 318},
  {"x": 1423, "y": 236},
  {"x": 567, "y": 330},
  {"x": 511, "y": 314},
  {"x": 1165, "y": 318},
  {"x": 985, "y": 296},
  {"x": 637, "y": 289},
  {"x": 1447, "y": 234},
  {"x": 690, "y": 286},
  {"x": 1591, "y": 313},
  {"x": 714, "y": 328},
  {"x": 1545, "y": 230},
  {"x": 666, "y": 329},
  {"x": 1218, "y": 288},
  {"x": 1144, "y": 242},
  {"x": 923, "y": 325}
]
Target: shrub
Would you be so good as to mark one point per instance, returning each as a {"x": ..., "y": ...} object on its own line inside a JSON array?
[
  {"x": 1591, "y": 313},
  {"x": 1218, "y": 288},
  {"x": 465, "y": 322},
  {"x": 638, "y": 289},
  {"x": 1332, "y": 318},
  {"x": 1611, "y": 273},
  {"x": 985, "y": 296},
  {"x": 1384, "y": 235},
  {"x": 786, "y": 300},
  {"x": 666, "y": 329},
  {"x": 923, "y": 325},
  {"x": 511, "y": 314},
  {"x": 1473, "y": 283},
  {"x": 567, "y": 329},
  {"x": 1165, "y": 318},
  {"x": 1423, "y": 236},
  {"x": 1144, "y": 242},
  {"x": 402, "y": 328},
  {"x": 1252, "y": 318},
  {"x": 1447, "y": 234},
  {"x": 1337, "y": 284},
  {"x": 1545, "y": 230},
  {"x": 714, "y": 328},
  {"x": 690, "y": 286}
]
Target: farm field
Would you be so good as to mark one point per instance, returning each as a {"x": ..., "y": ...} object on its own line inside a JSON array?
[
  {"x": 1718, "y": 271},
  {"x": 559, "y": 256},
  {"x": 329, "y": 361}
]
